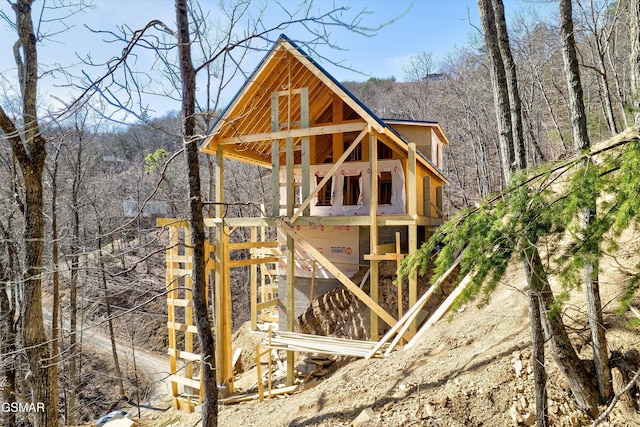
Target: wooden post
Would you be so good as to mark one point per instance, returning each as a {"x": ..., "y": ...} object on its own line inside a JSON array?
[
  {"x": 253, "y": 283},
  {"x": 398, "y": 262},
  {"x": 413, "y": 228},
  {"x": 305, "y": 154},
  {"x": 373, "y": 235},
  {"x": 275, "y": 158},
  {"x": 439, "y": 200},
  {"x": 188, "y": 309},
  {"x": 338, "y": 138},
  {"x": 426, "y": 195},
  {"x": 259, "y": 373},
  {"x": 172, "y": 294},
  {"x": 313, "y": 281},
  {"x": 290, "y": 307},
  {"x": 222, "y": 286}
]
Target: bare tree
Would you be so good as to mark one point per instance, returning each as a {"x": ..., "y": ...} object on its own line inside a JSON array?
[
  {"x": 29, "y": 147},
  {"x": 634, "y": 57},
  {"x": 582, "y": 144}
]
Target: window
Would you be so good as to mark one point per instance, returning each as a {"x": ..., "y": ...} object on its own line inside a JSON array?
[
  {"x": 351, "y": 190},
  {"x": 384, "y": 188},
  {"x": 324, "y": 195},
  {"x": 384, "y": 152}
]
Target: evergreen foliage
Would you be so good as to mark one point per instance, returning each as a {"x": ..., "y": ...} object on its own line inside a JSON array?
[{"x": 539, "y": 209}]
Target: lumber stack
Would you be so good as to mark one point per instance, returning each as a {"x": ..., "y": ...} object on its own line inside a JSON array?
[{"x": 291, "y": 341}]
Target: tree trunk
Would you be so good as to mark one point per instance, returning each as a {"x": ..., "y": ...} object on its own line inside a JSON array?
[
  {"x": 572, "y": 73},
  {"x": 500, "y": 88},
  {"x": 562, "y": 351},
  {"x": 55, "y": 255},
  {"x": 515, "y": 102},
  {"x": 74, "y": 351},
  {"x": 207, "y": 342},
  {"x": 7, "y": 345},
  {"x": 535, "y": 285},
  {"x": 509, "y": 106},
  {"x": 28, "y": 146},
  {"x": 634, "y": 57},
  {"x": 107, "y": 303},
  {"x": 43, "y": 383},
  {"x": 582, "y": 144}
]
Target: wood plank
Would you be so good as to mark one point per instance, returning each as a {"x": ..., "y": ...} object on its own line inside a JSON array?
[
  {"x": 339, "y": 275},
  {"x": 249, "y": 245},
  {"x": 351, "y": 126},
  {"x": 182, "y": 327},
  {"x": 414, "y": 310},
  {"x": 399, "y": 285},
  {"x": 192, "y": 357},
  {"x": 275, "y": 392},
  {"x": 267, "y": 304},
  {"x": 265, "y": 251},
  {"x": 385, "y": 257},
  {"x": 179, "y": 302},
  {"x": 383, "y": 221},
  {"x": 253, "y": 286},
  {"x": 304, "y": 143},
  {"x": 442, "y": 310},
  {"x": 373, "y": 233},
  {"x": 195, "y": 384},
  {"x": 426, "y": 196},
  {"x": 250, "y": 261}
]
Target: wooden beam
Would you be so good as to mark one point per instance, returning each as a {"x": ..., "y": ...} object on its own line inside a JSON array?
[
  {"x": 192, "y": 357},
  {"x": 402, "y": 327},
  {"x": 253, "y": 286},
  {"x": 294, "y": 133},
  {"x": 179, "y": 302},
  {"x": 333, "y": 86},
  {"x": 426, "y": 196},
  {"x": 267, "y": 304},
  {"x": 373, "y": 232},
  {"x": 192, "y": 329},
  {"x": 251, "y": 261},
  {"x": 361, "y": 220},
  {"x": 442, "y": 310},
  {"x": 328, "y": 176},
  {"x": 413, "y": 228},
  {"x": 195, "y": 384},
  {"x": 305, "y": 146},
  {"x": 412, "y": 204},
  {"x": 331, "y": 268},
  {"x": 399, "y": 258},
  {"x": 253, "y": 244}
]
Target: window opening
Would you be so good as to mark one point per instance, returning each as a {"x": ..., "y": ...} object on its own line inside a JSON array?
[
  {"x": 384, "y": 188},
  {"x": 351, "y": 190},
  {"x": 324, "y": 195}
]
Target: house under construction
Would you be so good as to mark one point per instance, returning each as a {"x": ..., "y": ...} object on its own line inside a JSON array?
[{"x": 348, "y": 189}]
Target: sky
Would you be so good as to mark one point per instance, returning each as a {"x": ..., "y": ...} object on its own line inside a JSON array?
[{"x": 435, "y": 26}]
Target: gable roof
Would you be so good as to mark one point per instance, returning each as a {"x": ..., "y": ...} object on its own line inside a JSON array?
[{"x": 249, "y": 113}]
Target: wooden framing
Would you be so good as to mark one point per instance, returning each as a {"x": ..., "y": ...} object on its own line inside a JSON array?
[
  {"x": 185, "y": 387},
  {"x": 292, "y": 116}
]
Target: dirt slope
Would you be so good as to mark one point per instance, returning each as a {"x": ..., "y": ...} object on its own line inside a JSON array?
[{"x": 473, "y": 371}]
